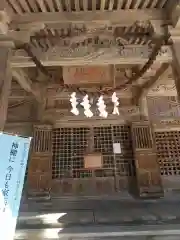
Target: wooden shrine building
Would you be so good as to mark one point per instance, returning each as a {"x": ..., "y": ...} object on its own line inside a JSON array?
[{"x": 51, "y": 48}]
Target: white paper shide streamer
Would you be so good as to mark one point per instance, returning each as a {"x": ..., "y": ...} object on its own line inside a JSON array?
[
  {"x": 74, "y": 104},
  {"x": 102, "y": 107},
  {"x": 87, "y": 112},
  {"x": 116, "y": 104}
]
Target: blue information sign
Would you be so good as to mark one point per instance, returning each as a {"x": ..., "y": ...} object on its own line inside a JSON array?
[{"x": 14, "y": 152}]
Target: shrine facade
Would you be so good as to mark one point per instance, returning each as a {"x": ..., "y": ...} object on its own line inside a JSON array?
[{"x": 50, "y": 49}]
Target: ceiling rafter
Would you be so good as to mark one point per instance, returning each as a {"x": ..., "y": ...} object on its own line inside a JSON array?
[
  {"x": 86, "y": 5},
  {"x": 111, "y": 17}
]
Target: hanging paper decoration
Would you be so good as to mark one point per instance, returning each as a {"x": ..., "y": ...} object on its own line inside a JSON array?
[
  {"x": 100, "y": 104},
  {"x": 116, "y": 104},
  {"x": 74, "y": 104},
  {"x": 86, "y": 105},
  {"x": 102, "y": 107}
]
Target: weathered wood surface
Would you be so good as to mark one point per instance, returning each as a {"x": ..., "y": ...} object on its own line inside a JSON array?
[
  {"x": 130, "y": 54},
  {"x": 87, "y": 75},
  {"x": 148, "y": 174},
  {"x": 40, "y": 166},
  {"x": 5, "y": 84},
  {"x": 120, "y": 17},
  {"x": 25, "y": 82}
]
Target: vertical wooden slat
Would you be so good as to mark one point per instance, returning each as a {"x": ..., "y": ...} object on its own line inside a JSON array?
[
  {"x": 147, "y": 167},
  {"x": 111, "y": 5},
  {"x": 42, "y": 5},
  {"x": 24, "y": 5},
  {"x": 85, "y": 5},
  {"x": 93, "y": 5},
  {"x": 59, "y": 5},
  {"x": 68, "y": 5},
  {"x": 33, "y": 5},
  {"x": 162, "y": 3},
  {"x": 103, "y": 2},
  {"x": 146, "y": 3},
  {"x": 77, "y": 6},
  {"x": 128, "y": 4},
  {"x": 16, "y": 6},
  {"x": 136, "y": 4},
  {"x": 42, "y": 140},
  {"x": 39, "y": 171},
  {"x": 50, "y": 5},
  {"x": 120, "y": 4},
  {"x": 154, "y": 3}
]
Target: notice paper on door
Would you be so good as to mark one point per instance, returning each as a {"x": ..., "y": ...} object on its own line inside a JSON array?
[{"x": 116, "y": 148}]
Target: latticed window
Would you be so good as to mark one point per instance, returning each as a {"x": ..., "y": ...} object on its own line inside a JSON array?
[
  {"x": 168, "y": 152},
  {"x": 71, "y": 144}
]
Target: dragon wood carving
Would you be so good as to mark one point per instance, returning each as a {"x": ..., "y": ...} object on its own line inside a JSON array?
[{"x": 102, "y": 43}]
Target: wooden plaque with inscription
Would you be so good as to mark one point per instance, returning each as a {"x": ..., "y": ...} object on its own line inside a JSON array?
[{"x": 87, "y": 74}]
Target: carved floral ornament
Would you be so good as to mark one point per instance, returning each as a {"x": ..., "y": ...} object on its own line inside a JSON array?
[
  {"x": 87, "y": 106},
  {"x": 164, "y": 87}
]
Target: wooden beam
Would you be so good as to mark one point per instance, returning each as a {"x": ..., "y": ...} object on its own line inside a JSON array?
[
  {"x": 22, "y": 79},
  {"x": 122, "y": 17},
  {"x": 26, "y": 83},
  {"x": 130, "y": 54},
  {"x": 173, "y": 13},
  {"x": 144, "y": 88},
  {"x": 5, "y": 87}
]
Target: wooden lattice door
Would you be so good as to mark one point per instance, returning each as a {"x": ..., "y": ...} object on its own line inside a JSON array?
[
  {"x": 39, "y": 170},
  {"x": 147, "y": 167}
]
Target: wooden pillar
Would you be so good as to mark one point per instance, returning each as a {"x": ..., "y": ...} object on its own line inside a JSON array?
[
  {"x": 39, "y": 168},
  {"x": 5, "y": 68},
  {"x": 174, "y": 30},
  {"x": 5, "y": 83},
  {"x": 175, "y": 36},
  {"x": 147, "y": 168}
]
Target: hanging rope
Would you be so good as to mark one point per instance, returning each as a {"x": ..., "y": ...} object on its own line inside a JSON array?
[{"x": 143, "y": 70}]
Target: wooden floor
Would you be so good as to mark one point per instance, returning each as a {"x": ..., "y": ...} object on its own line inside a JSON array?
[{"x": 102, "y": 218}]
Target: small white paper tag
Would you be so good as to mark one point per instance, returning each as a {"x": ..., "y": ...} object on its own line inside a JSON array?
[{"x": 117, "y": 148}]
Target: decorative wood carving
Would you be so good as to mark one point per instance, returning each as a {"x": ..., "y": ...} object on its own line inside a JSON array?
[
  {"x": 167, "y": 124},
  {"x": 87, "y": 75},
  {"x": 165, "y": 85},
  {"x": 60, "y": 115},
  {"x": 84, "y": 54},
  {"x": 161, "y": 107},
  {"x": 56, "y": 93},
  {"x": 142, "y": 90},
  {"x": 105, "y": 48},
  {"x": 161, "y": 89}
]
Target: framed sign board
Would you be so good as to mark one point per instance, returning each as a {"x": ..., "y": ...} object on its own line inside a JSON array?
[{"x": 87, "y": 74}]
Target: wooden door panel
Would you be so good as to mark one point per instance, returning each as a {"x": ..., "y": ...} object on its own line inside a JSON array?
[
  {"x": 39, "y": 170},
  {"x": 147, "y": 168},
  {"x": 147, "y": 161}
]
